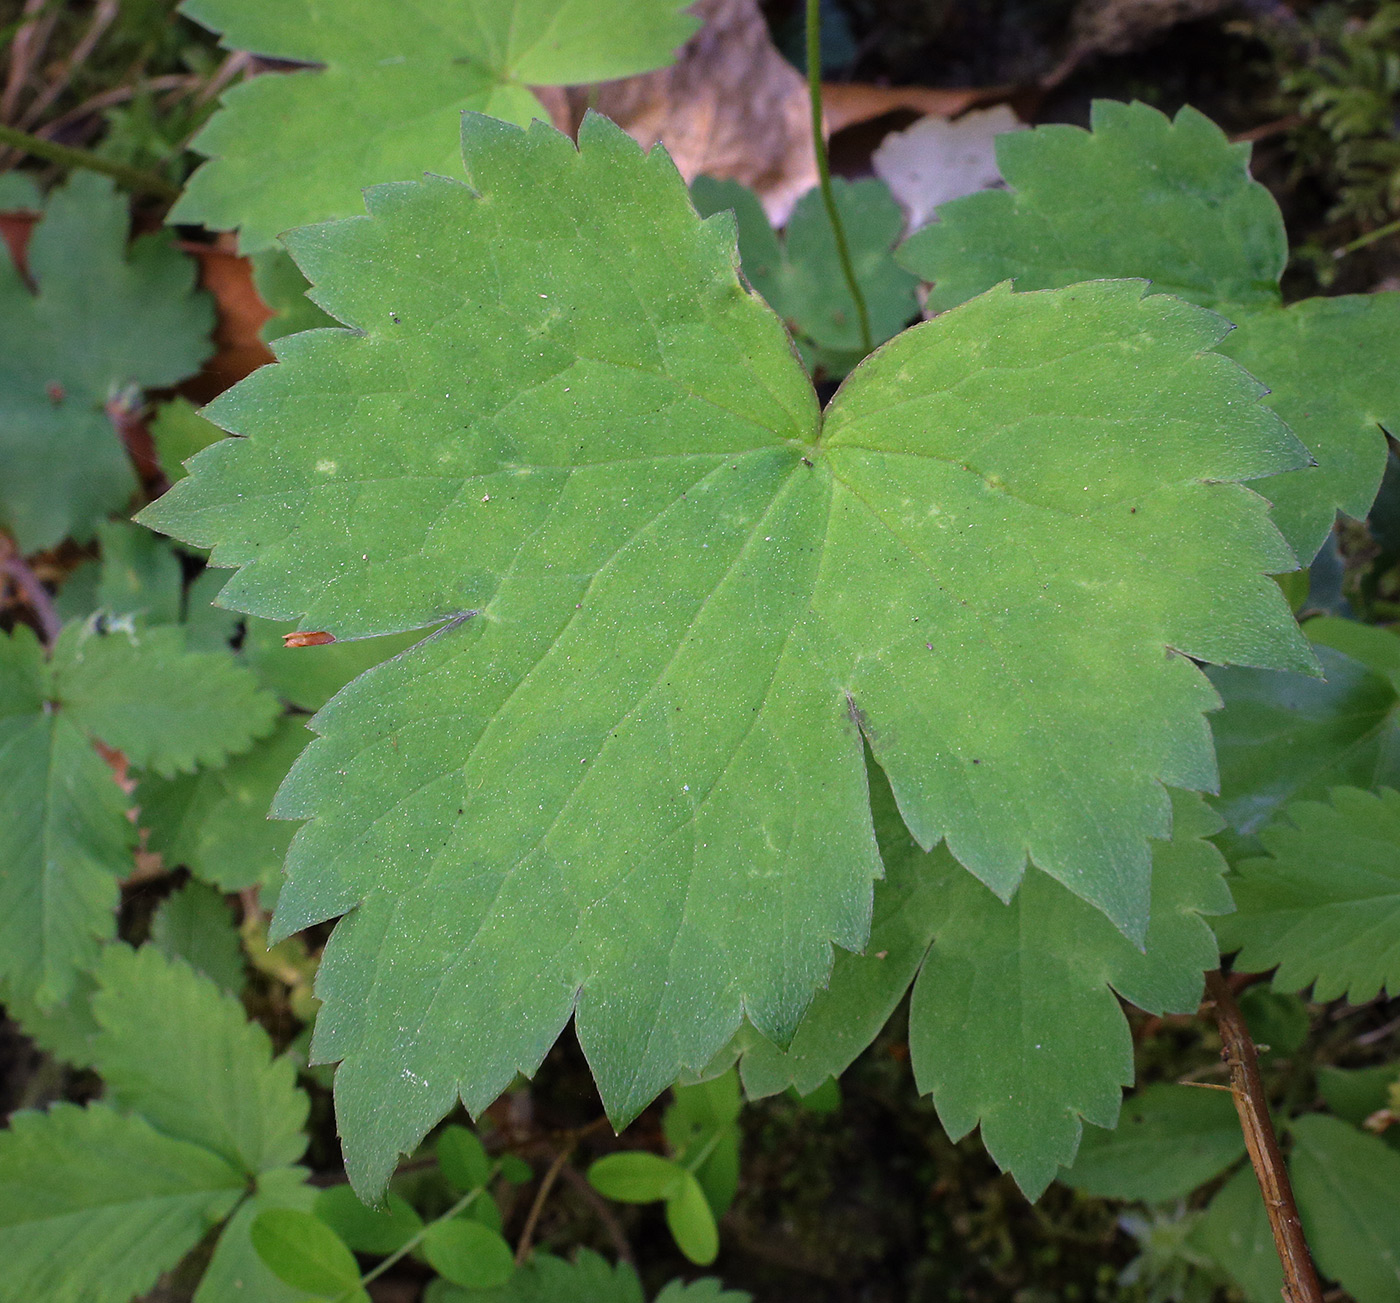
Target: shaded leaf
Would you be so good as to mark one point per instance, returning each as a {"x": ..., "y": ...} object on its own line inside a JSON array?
[
  {"x": 692, "y": 1222},
  {"x": 462, "y": 1159},
  {"x": 1353, "y": 1094},
  {"x": 1324, "y": 905},
  {"x": 283, "y": 289},
  {"x": 1347, "y": 1185},
  {"x": 105, "y": 319},
  {"x": 652, "y": 761},
  {"x": 364, "y": 1229},
  {"x": 140, "y": 574},
  {"x": 1169, "y": 1139},
  {"x": 179, "y": 431},
  {"x": 194, "y": 924},
  {"x": 216, "y": 822},
  {"x": 1235, "y": 1233}
]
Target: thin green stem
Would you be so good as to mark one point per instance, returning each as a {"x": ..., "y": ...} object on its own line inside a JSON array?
[
  {"x": 693, "y": 1165},
  {"x": 408, "y": 1246},
  {"x": 65, "y": 155},
  {"x": 843, "y": 250},
  {"x": 1390, "y": 228}
]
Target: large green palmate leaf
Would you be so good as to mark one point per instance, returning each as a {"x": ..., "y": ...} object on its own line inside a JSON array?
[
  {"x": 103, "y": 320},
  {"x": 95, "y": 1205},
  {"x": 64, "y": 836},
  {"x": 1172, "y": 200},
  {"x": 1324, "y": 906},
  {"x": 180, "y": 1052},
  {"x": 625, "y": 777},
  {"x": 385, "y": 102}
]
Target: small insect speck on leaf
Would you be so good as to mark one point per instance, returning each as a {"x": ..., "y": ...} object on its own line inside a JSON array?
[{"x": 317, "y": 638}]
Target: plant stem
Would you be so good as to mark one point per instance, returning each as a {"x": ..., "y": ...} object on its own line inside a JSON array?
[
  {"x": 65, "y": 155},
  {"x": 1390, "y": 228},
  {"x": 16, "y": 569},
  {"x": 1237, "y": 1049},
  {"x": 522, "y": 1250},
  {"x": 406, "y": 1248},
  {"x": 843, "y": 251}
]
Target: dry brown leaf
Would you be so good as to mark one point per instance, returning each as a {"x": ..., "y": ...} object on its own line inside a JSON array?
[{"x": 238, "y": 350}]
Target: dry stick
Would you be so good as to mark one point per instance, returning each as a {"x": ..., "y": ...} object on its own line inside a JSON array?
[
  {"x": 16, "y": 569},
  {"x": 814, "y": 89},
  {"x": 1237, "y": 1049},
  {"x": 102, "y": 19},
  {"x": 118, "y": 95},
  {"x": 22, "y": 55},
  {"x": 522, "y": 1250}
]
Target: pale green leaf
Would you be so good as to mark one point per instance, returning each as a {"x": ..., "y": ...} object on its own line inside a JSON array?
[
  {"x": 194, "y": 924},
  {"x": 1235, "y": 1233},
  {"x": 386, "y": 100},
  {"x": 692, "y": 1222},
  {"x": 216, "y": 822},
  {"x": 636, "y": 1176},
  {"x": 180, "y": 1052},
  {"x": 165, "y": 708},
  {"x": 104, "y": 320},
  {"x": 1169, "y": 1139},
  {"x": 1286, "y": 737},
  {"x": 864, "y": 989},
  {"x": 179, "y": 431},
  {"x": 303, "y": 1251},
  {"x": 235, "y": 1273},
  {"x": 64, "y": 836},
  {"x": 1172, "y": 201},
  {"x": 1014, "y": 1021},
  {"x": 626, "y": 776},
  {"x": 1324, "y": 906},
  {"x": 468, "y": 1253},
  {"x": 94, "y": 1206},
  {"x": 1347, "y": 1185}
]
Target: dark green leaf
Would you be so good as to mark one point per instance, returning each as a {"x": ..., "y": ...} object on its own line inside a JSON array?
[
  {"x": 194, "y": 924},
  {"x": 236, "y": 1272},
  {"x": 364, "y": 1229},
  {"x": 1169, "y": 1140},
  {"x": 1324, "y": 906},
  {"x": 461, "y": 1159},
  {"x": 1353, "y": 1094},
  {"x": 179, "y": 432},
  {"x": 1235, "y": 1233},
  {"x": 140, "y": 574},
  {"x": 1347, "y": 1185}
]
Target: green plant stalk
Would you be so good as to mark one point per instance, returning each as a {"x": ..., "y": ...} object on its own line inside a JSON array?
[
  {"x": 693, "y": 1165},
  {"x": 1390, "y": 228},
  {"x": 65, "y": 155},
  {"x": 463, "y": 1203},
  {"x": 843, "y": 250}
]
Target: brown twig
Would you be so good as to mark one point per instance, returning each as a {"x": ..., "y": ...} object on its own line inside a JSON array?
[
  {"x": 23, "y": 51},
  {"x": 36, "y": 597},
  {"x": 605, "y": 1215},
  {"x": 103, "y": 17},
  {"x": 522, "y": 1250},
  {"x": 1237, "y": 1049},
  {"x": 118, "y": 95}
]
